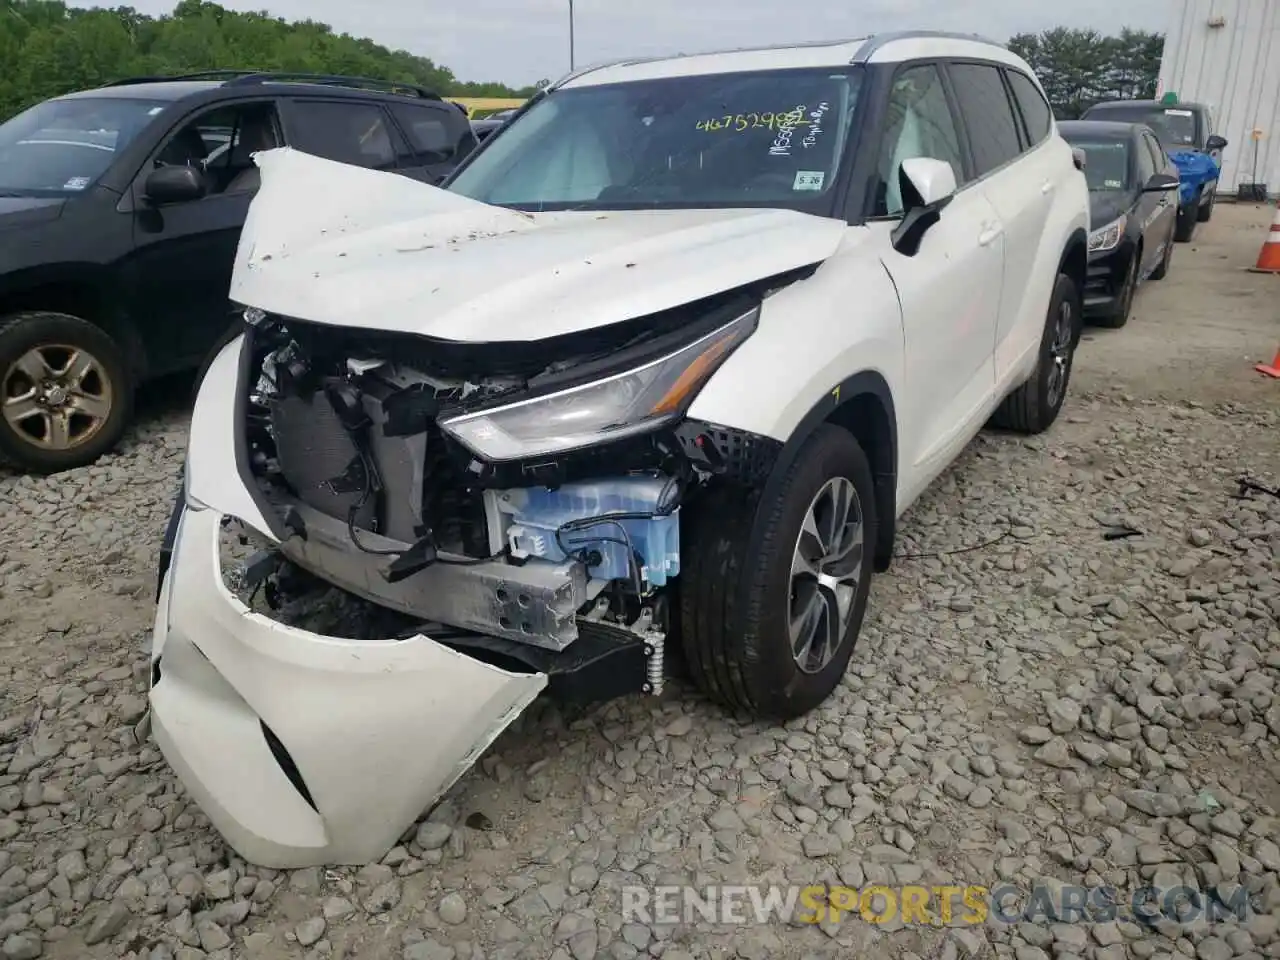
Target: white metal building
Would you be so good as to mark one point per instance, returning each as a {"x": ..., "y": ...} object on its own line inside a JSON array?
[{"x": 1226, "y": 54}]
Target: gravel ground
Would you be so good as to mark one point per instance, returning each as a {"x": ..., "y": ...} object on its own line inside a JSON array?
[{"x": 1049, "y": 706}]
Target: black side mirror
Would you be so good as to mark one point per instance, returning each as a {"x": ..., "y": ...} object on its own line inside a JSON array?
[
  {"x": 1216, "y": 142},
  {"x": 176, "y": 184},
  {"x": 1160, "y": 182}
]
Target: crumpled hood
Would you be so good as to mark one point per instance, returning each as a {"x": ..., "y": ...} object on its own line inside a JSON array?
[{"x": 336, "y": 244}]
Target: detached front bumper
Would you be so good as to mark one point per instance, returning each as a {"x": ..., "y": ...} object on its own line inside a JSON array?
[
  {"x": 306, "y": 750},
  {"x": 302, "y": 749}
]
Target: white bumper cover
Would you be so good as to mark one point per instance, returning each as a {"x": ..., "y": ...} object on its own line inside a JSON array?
[{"x": 377, "y": 731}]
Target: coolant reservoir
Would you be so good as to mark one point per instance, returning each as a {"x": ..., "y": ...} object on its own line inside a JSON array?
[{"x": 537, "y": 514}]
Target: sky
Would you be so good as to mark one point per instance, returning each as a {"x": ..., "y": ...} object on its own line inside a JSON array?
[{"x": 522, "y": 41}]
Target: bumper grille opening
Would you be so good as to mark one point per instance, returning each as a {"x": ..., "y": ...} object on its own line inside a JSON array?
[{"x": 287, "y": 766}]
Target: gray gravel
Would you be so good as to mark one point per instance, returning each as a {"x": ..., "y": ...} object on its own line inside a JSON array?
[{"x": 1053, "y": 706}]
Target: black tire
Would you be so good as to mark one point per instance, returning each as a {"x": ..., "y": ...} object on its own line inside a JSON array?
[
  {"x": 22, "y": 333},
  {"x": 1034, "y": 406},
  {"x": 736, "y": 607},
  {"x": 1118, "y": 319},
  {"x": 1206, "y": 209},
  {"x": 1162, "y": 271},
  {"x": 1186, "y": 226}
]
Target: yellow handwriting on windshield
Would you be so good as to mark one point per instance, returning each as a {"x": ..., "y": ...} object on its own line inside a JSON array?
[{"x": 741, "y": 122}]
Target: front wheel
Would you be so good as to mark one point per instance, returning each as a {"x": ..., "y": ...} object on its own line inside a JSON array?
[
  {"x": 1035, "y": 405},
  {"x": 1124, "y": 303},
  {"x": 771, "y": 633},
  {"x": 65, "y": 392},
  {"x": 1162, "y": 271}
]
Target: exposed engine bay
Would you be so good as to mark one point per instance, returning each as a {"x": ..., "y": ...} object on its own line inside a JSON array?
[{"x": 367, "y": 490}]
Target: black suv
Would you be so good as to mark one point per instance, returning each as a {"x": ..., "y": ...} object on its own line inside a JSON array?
[{"x": 120, "y": 211}]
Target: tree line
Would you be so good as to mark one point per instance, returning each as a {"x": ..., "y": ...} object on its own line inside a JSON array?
[
  {"x": 49, "y": 48},
  {"x": 1078, "y": 68}
]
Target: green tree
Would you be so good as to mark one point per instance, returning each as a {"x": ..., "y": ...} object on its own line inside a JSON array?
[
  {"x": 1078, "y": 68},
  {"x": 49, "y": 48}
]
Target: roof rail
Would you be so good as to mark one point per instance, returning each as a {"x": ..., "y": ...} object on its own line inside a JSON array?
[
  {"x": 633, "y": 61},
  {"x": 252, "y": 77},
  {"x": 879, "y": 40}
]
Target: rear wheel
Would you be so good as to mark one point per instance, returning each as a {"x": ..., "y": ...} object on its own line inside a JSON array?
[
  {"x": 65, "y": 392},
  {"x": 771, "y": 633},
  {"x": 1035, "y": 405}
]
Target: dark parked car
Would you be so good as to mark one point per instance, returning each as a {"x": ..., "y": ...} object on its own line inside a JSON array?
[
  {"x": 487, "y": 126},
  {"x": 1185, "y": 130},
  {"x": 1132, "y": 183},
  {"x": 120, "y": 211}
]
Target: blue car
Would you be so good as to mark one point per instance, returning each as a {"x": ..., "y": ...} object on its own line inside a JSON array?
[{"x": 1186, "y": 132}]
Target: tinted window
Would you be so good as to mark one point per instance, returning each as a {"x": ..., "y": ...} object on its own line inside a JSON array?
[
  {"x": 761, "y": 138},
  {"x": 354, "y": 133},
  {"x": 1146, "y": 165},
  {"x": 223, "y": 141},
  {"x": 434, "y": 133},
  {"x": 1035, "y": 111},
  {"x": 988, "y": 115},
  {"x": 63, "y": 146},
  {"x": 918, "y": 124}
]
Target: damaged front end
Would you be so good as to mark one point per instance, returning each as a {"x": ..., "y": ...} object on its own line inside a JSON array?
[{"x": 492, "y": 519}]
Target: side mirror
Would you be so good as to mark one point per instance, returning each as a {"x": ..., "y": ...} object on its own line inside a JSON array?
[
  {"x": 176, "y": 184},
  {"x": 927, "y": 186},
  {"x": 1079, "y": 158},
  {"x": 1160, "y": 182},
  {"x": 1216, "y": 142}
]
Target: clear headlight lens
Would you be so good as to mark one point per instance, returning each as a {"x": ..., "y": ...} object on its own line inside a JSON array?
[
  {"x": 1108, "y": 237},
  {"x": 618, "y": 406}
]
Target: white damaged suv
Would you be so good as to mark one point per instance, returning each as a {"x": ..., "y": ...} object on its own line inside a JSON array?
[{"x": 654, "y": 373}]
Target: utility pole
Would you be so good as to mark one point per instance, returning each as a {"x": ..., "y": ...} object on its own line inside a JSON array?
[{"x": 571, "y": 57}]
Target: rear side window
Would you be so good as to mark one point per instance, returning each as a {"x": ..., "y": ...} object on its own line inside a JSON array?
[
  {"x": 434, "y": 133},
  {"x": 988, "y": 114},
  {"x": 354, "y": 133},
  {"x": 1035, "y": 112}
]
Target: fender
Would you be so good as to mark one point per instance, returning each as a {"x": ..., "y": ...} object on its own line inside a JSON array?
[{"x": 844, "y": 405}]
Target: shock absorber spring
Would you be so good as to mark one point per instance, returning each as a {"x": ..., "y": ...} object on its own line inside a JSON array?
[{"x": 655, "y": 669}]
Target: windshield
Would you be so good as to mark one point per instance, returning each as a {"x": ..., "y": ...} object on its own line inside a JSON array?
[
  {"x": 1106, "y": 163},
  {"x": 64, "y": 146},
  {"x": 1175, "y": 127},
  {"x": 771, "y": 138}
]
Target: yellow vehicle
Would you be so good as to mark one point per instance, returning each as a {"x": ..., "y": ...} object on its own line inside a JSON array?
[{"x": 477, "y": 107}]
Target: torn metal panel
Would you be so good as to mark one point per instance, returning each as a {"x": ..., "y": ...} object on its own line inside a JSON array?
[{"x": 350, "y": 247}]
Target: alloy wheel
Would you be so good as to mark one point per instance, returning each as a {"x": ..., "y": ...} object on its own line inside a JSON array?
[
  {"x": 826, "y": 570},
  {"x": 56, "y": 397},
  {"x": 1060, "y": 353}
]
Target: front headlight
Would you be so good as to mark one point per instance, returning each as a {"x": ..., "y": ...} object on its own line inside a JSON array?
[
  {"x": 622, "y": 405},
  {"x": 1108, "y": 237}
]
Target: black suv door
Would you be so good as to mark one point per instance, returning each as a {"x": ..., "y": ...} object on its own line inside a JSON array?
[{"x": 178, "y": 277}]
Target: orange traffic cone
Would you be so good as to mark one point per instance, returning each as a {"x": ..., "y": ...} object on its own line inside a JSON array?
[
  {"x": 1272, "y": 369},
  {"x": 1269, "y": 255}
]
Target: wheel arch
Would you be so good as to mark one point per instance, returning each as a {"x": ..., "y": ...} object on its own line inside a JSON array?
[
  {"x": 863, "y": 405},
  {"x": 77, "y": 290},
  {"x": 1075, "y": 264}
]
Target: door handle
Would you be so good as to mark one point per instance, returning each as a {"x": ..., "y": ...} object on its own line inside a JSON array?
[
  {"x": 1046, "y": 187},
  {"x": 988, "y": 235}
]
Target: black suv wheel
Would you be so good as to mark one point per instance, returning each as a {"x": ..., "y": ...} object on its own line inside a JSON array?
[{"x": 65, "y": 391}]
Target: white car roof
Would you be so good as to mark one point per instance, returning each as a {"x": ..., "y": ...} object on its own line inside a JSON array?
[{"x": 882, "y": 48}]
